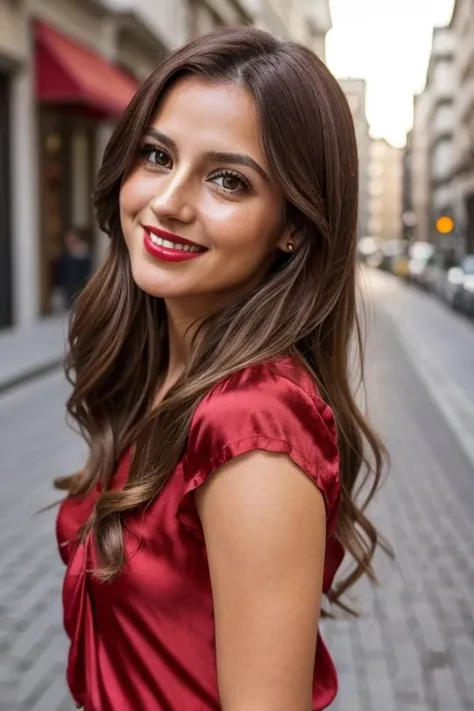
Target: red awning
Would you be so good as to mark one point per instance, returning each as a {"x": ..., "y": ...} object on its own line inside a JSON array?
[{"x": 69, "y": 74}]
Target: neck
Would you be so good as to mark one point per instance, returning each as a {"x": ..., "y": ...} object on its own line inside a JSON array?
[
  {"x": 185, "y": 315},
  {"x": 182, "y": 325}
]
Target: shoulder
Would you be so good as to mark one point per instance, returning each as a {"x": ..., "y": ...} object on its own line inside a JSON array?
[
  {"x": 275, "y": 407},
  {"x": 274, "y": 388}
]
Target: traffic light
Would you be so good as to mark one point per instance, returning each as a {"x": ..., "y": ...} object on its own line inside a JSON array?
[{"x": 445, "y": 225}]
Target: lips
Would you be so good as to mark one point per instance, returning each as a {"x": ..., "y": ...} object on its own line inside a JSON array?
[{"x": 169, "y": 247}]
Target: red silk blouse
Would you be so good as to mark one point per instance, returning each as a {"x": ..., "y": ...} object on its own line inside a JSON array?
[{"x": 145, "y": 641}]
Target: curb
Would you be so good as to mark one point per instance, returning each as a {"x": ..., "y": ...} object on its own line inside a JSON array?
[
  {"x": 30, "y": 374},
  {"x": 31, "y": 351}
]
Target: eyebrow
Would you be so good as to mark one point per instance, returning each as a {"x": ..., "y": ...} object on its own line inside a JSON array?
[{"x": 214, "y": 156}]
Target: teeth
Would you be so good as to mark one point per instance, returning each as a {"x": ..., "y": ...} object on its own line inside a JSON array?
[{"x": 172, "y": 245}]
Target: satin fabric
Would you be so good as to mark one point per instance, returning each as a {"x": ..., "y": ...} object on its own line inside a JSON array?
[{"x": 145, "y": 641}]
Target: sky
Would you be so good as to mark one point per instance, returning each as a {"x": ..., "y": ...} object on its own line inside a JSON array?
[{"x": 386, "y": 42}]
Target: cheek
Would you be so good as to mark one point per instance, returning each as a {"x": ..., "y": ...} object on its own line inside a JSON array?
[
  {"x": 126, "y": 203},
  {"x": 247, "y": 225},
  {"x": 134, "y": 195}
]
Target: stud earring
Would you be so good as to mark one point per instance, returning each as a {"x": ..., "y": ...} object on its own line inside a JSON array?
[{"x": 290, "y": 245}]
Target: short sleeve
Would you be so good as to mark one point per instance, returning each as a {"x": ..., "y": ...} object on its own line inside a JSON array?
[{"x": 259, "y": 409}]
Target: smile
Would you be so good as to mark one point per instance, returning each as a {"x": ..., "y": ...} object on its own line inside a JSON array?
[
  {"x": 168, "y": 247},
  {"x": 174, "y": 245}
]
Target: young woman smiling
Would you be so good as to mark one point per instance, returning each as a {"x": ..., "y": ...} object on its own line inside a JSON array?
[{"x": 209, "y": 363}]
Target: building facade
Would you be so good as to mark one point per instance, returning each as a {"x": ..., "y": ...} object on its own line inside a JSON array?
[
  {"x": 440, "y": 85},
  {"x": 14, "y": 52},
  {"x": 432, "y": 143},
  {"x": 355, "y": 91},
  {"x": 462, "y": 27},
  {"x": 306, "y": 21},
  {"x": 420, "y": 167},
  {"x": 318, "y": 22},
  {"x": 385, "y": 190},
  {"x": 207, "y": 15},
  {"x": 408, "y": 214}
]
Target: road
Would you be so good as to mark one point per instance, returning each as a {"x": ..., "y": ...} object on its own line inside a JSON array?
[{"x": 412, "y": 649}]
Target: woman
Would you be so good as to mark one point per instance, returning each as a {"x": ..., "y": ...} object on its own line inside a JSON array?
[{"x": 209, "y": 358}]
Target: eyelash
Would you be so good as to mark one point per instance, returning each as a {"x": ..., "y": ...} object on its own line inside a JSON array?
[{"x": 146, "y": 150}]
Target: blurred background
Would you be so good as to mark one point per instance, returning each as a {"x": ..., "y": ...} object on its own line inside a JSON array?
[{"x": 67, "y": 70}]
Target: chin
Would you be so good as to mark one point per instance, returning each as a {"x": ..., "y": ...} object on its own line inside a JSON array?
[
  {"x": 155, "y": 288},
  {"x": 148, "y": 279},
  {"x": 157, "y": 284}
]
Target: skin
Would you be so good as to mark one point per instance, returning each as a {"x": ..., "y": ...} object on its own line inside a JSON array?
[
  {"x": 266, "y": 558},
  {"x": 266, "y": 554}
]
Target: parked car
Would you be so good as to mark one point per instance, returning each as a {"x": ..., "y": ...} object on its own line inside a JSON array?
[
  {"x": 435, "y": 276},
  {"x": 453, "y": 292},
  {"x": 420, "y": 254},
  {"x": 391, "y": 256},
  {"x": 400, "y": 265},
  {"x": 467, "y": 296}
]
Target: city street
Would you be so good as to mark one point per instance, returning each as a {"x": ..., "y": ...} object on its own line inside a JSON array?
[{"x": 412, "y": 649}]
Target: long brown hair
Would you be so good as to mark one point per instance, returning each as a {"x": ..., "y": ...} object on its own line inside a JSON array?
[{"x": 306, "y": 305}]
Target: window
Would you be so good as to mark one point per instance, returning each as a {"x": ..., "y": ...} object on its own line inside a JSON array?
[
  {"x": 379, "y": 149},
  {"x": 375, "y": 226},
  {"x": 375, "y": 206},
  {"x": 375, "y": 188},
  {"x": 375, "y": 169}
]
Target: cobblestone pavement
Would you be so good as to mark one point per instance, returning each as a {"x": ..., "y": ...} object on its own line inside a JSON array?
[{"x": 413, "y": 647}]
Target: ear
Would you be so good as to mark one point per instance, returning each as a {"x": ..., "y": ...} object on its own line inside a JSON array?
[{"x": 290, "y": 240}]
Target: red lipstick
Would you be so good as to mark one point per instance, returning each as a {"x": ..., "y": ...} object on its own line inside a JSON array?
[{"x": 169, "y": 247}]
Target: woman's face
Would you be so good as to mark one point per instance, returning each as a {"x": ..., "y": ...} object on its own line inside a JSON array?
[{"x": 201, "y": 214}]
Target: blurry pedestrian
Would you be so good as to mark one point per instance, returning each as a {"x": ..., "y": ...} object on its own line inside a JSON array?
[
  {"x": 209, "y": 356},
  {"x": 74, "y": 265}
]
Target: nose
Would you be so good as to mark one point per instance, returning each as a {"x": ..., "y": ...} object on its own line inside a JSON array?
[{"x": 174, "y": 201}]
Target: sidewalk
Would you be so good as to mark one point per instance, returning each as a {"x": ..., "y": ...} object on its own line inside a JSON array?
[
  {"x": 439, "y": 344},
  {"x": 413, "y": 647},
  {"x": 31, "y": 351},
  {"x": 446, "y": 334}
]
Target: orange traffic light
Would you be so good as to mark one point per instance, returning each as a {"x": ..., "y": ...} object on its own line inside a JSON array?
[{"x": 445, "y": 225}]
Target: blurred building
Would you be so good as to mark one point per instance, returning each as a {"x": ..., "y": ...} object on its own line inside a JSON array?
[
  {"x": 433, "y": 142},
  {"x": 385, "y": 190},
  {"x": 462, "y": 27},
  {"x": 419, "y": 167},
  {"x": 11, "y": 52},
  {"x": 440, "y": 87},
  {"x": 318, "y": 23},
  {"x": 355, "y": 91},
  {"x": 408, "y": 215},
  {"x": 306, "y": 21},
  {"x": 207, "y": 15}
]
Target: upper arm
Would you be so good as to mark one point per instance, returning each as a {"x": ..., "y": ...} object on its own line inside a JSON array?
[{"x": 264, "y": 523}]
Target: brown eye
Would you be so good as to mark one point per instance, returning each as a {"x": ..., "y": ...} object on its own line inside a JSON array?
[
  {"x": 156, "y": 156},
  {"x": 230, "y": 182}
]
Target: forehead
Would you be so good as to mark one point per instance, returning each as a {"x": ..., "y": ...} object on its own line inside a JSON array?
[{"x": 213, "y": 115}]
